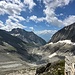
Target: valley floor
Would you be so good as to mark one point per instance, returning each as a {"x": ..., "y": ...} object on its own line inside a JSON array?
[
  {"x": 30, "y": 71},
  {"x": 17, "y": 68}
]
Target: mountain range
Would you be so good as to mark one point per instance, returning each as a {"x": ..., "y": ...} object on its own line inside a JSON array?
[
  {"x": 14, "y": 50},
  {"x": 22, "y": 46},
  {"x": 10, "y": 45},
  {"x": 28, "y": 37},
  {"x": 26, "y": 43}
]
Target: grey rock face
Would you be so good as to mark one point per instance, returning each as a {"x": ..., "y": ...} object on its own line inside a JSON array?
[
  {"x": 59, "y": 48},
  {"x": 51, "y": 68},
  {"x": 13, "y": 46},
  {"x": 28, "y": 37},
  {"x": 66, "y": 33}
]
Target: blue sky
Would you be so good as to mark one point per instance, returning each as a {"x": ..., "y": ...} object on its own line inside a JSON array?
[{"x": 43, "y": 17}]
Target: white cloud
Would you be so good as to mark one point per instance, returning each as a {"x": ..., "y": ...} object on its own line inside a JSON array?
[
  {"x": 50, "y": 6},
  {"x": 16, "y": 18},
  {"x": 69, "y": 20},
  {"x": 31, "y": 28},
  {"x": 33, "y": 17},
  {"x": 9, "y": 25},
  {"x": 36, "y": 19},
  {"x": 14, "y": 8},
  {"x": 29, "y": 3},
  {"x": 12, "y": 22},
  {"x": 1, "y": 24},
  {"x": 20, "y": 18},
  {"x": 61, "y": 14},
  {"x": 50, "y": 15},
  {"x": 13, "y": 18},
  {"x": 10, "y": 8}
]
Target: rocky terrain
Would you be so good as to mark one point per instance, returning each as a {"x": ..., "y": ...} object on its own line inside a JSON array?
[
  {"x": 66, "y": 33},
  {"x": 62, "y": 43},
  {"x": 28, "y": 37},
  {"x": 56, "y": 68},
  {"x": 14, "y": 53},
  {"x": 11, "y": 45},
  {"x": 25, "y": 71},
  {"x": 18, "y": 56}
]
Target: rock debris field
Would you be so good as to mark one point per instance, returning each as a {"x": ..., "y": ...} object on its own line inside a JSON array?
[{"x": 16, "y": 68}]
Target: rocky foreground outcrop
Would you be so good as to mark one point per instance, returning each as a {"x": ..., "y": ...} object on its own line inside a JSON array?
[{"x": 56, "y": 68}]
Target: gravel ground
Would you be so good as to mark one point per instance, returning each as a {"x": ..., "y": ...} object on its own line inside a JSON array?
[
  {"x": 23, "y": 72},
  {"x": 17, "y": 68}
]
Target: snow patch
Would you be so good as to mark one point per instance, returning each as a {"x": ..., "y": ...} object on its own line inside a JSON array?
[
  {"x": 7, "y": 53},
  {"x": 65, "y": 41},
  {"x": 15, "y": 34},
  {"x": 62, "y": 41},
  {"x": 39, "y": 53},
  {"x": 52, "y": 55},
  {"x": 49, "y": 44}
]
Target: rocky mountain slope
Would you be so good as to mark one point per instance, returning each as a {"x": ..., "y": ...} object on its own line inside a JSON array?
[
  {"x": 12, "y": 48},
  {"x": 11, "y": 44},
  {"x": 66, "y": 33},
  {"x": 61, "y": 44},
  {"x": 65, "y": 46},
  {"x": 62, "y": 41},
  {"x": 14, "y": 53},
  {"x": 28, "y": 37}
]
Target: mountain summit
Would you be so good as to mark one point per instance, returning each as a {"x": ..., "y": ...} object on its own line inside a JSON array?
[{"x": 28, "y": 37}]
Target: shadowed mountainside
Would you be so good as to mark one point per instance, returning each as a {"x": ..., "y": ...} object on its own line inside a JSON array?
[
  {"x": 13, "y": 45},
  {"x": 28, "y": 37}
]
